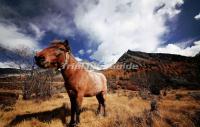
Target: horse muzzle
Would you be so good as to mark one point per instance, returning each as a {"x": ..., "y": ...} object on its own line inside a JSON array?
[{"x": 40, "y": 61}]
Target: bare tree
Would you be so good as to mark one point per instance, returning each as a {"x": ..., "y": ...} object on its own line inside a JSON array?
[{"x": 35, "y": 82}]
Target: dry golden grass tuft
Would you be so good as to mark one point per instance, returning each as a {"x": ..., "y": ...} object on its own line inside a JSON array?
[{"x": 123, "y": 111}]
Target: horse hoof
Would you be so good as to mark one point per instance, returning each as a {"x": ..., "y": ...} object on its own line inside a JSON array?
[
  {"x": 105, "y": 114},
  {"x": 97, "y": 113},
  {"x": 77, "y": 122},
  {"x": 72, "y": 124}
]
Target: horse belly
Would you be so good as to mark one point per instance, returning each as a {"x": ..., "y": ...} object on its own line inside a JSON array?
[
  {"x": 95, "y": 86},
  {"x": 93, "y": 90}
]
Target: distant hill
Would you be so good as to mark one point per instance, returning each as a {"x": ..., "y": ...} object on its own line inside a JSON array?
[
  {"x": 4, "y": 71},
  {"x": 154, "y": 70},
  {"x": 198, "y": 55}
]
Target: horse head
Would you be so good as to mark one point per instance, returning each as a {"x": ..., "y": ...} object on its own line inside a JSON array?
[{"x": 54, "y": 56}]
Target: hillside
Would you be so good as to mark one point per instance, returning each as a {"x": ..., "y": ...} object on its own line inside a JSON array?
[{"x": 154, "y": 70}]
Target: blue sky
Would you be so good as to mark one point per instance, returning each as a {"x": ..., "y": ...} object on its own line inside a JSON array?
[{"x": 101, "y": 30}]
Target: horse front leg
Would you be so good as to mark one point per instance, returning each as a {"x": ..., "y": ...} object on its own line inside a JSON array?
[
  {"x": 79, "y": 100},
  {"x": 73, "y": 110}
]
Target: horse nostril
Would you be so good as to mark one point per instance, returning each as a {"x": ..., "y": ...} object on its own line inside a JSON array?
[
  {"x": 35, "y": 57},
  {"x": 39, "y": 58}
]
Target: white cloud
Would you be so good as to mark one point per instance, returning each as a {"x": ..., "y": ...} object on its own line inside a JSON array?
[
  {"x": 78, "y": 58},
  {"x": 197, "y": 17},
  {"x": 12, "y": 38},
  {"x": 117, "y": 25},
  {"x": 174, "y": 49},
  {"x": 11, "y": 64},
  {"x": 38, "y": 33},
  {"x": 58, "y": 24},
  {"x": 89, "y": 51},
  {"x": 81, "y": 52},
  {"x": 8, "y": 65}
]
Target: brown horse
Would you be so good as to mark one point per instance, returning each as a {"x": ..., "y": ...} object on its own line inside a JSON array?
[{"x": 79, "y": 82}]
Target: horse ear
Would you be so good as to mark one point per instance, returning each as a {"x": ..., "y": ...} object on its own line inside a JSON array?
[{"x": 66, "y": 42}]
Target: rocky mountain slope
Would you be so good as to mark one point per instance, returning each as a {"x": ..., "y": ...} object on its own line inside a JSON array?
[{"x": 150, "y": 70}]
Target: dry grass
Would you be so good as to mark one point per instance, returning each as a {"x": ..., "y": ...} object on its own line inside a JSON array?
[{"x": 123, "y": 111}]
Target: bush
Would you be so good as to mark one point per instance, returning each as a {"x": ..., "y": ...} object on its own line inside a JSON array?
[
  {"x": 178, "y": 96},
  {"x": 38, "y": 84},
  {"x": 154, "y": 105},
  {"x": 155, "y": 89}
]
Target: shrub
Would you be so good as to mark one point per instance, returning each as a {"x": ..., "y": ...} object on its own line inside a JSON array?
[{"x": 178, "y": 96}]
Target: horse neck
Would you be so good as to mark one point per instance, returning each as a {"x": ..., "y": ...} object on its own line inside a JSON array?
[{"x": 71, "y": 69}]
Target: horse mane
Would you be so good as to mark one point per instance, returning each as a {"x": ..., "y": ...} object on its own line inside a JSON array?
[
  {"x": 60, "y": 42},
  {"x": 57, "y": 42}
]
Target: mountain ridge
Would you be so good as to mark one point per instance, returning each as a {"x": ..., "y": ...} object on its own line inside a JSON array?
[{"x": 158, "y": 69}]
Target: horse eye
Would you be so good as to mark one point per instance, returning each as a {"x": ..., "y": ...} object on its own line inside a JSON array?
[
  {"x": 61, "y": 49},
  {"x": 58, "y": 54}
]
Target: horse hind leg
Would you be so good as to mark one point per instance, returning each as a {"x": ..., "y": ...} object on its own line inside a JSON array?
[
  {"x": 104, "y": 104},
  {"x": 98, "y": 96},
  {"x": 101, "y": 99}
]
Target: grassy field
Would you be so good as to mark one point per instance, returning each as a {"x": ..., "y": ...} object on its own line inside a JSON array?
[{"x": 125, "y": 109}]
